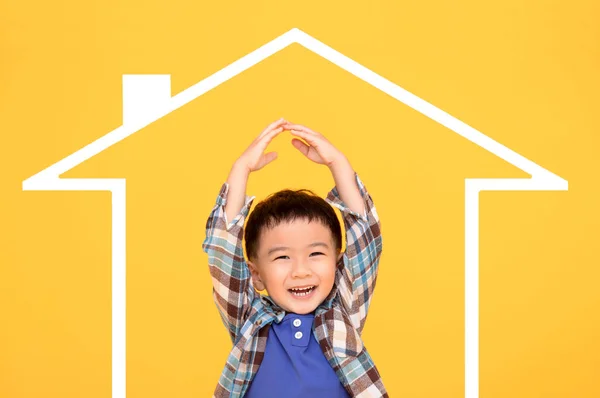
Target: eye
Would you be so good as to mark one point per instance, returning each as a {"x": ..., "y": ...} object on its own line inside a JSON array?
[{"x": 277, "y": 258}]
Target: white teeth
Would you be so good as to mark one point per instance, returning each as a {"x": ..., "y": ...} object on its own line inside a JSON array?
[{"x": 302, "y": 292}]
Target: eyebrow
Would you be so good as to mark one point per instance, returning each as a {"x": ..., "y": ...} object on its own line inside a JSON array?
[{"x": 280, "y": 248}]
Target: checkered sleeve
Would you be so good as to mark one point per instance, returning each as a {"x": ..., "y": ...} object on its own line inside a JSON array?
[
  {"x": 358, "y": 273},
  {"x": 233, "y": 291}
]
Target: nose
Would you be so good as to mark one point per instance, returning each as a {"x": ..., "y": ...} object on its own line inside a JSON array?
[{"x": 300, "y": 269}]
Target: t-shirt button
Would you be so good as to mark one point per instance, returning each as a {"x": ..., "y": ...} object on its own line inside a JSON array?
[
  {"x": 298, "y": 335},
  {"x": 297, "y": 322},
  {"x": 259, "y": 322}
]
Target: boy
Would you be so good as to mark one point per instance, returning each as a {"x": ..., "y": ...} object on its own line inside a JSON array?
[{"x": 303, "y": 339}]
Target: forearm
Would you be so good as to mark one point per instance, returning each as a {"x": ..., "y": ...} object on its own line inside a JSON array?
[
  {"x": 232, "y": 291},
  {"x": 343, "y": 175},
  {"x": 364, "y": 243},
  {"x": 237, "y": 181}
]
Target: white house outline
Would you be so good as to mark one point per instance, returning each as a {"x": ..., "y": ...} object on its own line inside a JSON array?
[{"x": 147, "y": 98}]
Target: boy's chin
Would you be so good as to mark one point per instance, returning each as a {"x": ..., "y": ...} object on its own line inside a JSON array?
[
  {"x": 302, "y": 310},
  {"x": 302, "y": 306}
]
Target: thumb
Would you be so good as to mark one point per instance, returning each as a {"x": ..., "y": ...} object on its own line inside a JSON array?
[
  {"x": 269, "y": 157},
  {"x": 301, "y": 146}
]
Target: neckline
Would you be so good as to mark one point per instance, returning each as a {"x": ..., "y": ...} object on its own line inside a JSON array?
[{"x": 290, "y": 315}]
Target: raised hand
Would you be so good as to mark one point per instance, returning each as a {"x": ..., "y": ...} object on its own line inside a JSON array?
[
  {"x": 253, "y": 158},
  {"x": 319, "y": 150}
]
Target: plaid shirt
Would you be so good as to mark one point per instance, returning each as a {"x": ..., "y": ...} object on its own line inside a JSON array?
[{"x": 338, "y": 321}]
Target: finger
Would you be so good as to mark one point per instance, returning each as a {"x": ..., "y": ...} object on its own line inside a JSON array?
[
  {"x": 300, "y": 127},
  {"x": 271, "y": 126},
  {"x": 271, "y": 134},
  {"x": 266, "y": 159},
  {"x": 301, "y": 146},
  {"x": 275, "y": 124},
  {"x": 269, "y": 157},
  {"x": 268, "y": 135},
  {"x": 307, "y": 136},
  {"x": 264, "y": 141},
  {"x": 308, "y": 151}
]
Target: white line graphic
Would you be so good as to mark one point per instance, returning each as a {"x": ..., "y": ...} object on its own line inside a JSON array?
[{"x": 147, "y": 98}]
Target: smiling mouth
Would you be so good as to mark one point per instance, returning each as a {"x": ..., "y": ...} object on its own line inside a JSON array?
[{"x": 302, "y": 291}]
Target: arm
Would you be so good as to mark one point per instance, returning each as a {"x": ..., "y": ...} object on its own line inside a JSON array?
[
  {"x": 233, "y": 291},
  {"x": 346, "y": 186},
  {"x": 358, "y": 276},
  {"x": 236, "y": 182},
  {"x": 358, "y": 272}
]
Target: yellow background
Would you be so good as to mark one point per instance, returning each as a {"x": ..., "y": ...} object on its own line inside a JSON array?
[{"x": 523, "y": 73}]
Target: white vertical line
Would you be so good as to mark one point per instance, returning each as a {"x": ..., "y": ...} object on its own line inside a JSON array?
[
  {"x": 471, "y": 290},
  {"x": 119, "y": 292}
]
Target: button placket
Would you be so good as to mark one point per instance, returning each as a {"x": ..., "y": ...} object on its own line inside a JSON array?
[{"x": 300, "y": 332}]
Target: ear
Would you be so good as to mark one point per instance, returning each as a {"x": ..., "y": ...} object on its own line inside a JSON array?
[
  {"x": 256, "y": 280},
  {"x": 340, "y": 256}
]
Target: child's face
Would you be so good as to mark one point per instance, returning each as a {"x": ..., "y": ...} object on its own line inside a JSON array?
[{"x": 300, "y": 265}]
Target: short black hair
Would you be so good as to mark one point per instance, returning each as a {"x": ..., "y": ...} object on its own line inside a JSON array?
[{"x": 285, "y": 206}]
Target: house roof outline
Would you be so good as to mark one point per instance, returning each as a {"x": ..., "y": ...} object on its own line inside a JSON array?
[{"x": 147, "y": 98}]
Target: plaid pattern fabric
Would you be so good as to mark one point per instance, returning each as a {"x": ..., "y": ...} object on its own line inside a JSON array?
[{"x": 338, "y": 321}]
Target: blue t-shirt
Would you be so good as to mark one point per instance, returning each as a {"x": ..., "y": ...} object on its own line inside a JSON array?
[{"x": 294, "y": 364}]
